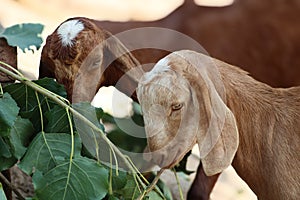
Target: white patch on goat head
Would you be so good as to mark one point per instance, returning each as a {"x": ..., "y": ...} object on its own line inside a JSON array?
[
  {"x": 161, "y": 66},
  {"x": 68, "y": 31}
]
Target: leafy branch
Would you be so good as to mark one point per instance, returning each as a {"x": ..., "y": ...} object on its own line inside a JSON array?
[{"x": 76, "y": 162}]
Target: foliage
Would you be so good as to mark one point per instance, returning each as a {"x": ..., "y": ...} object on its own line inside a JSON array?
[
  {"x": 49, "y": 143},
  {"x": 65, "y": 148},
  {"x": 24, "y": 35}
]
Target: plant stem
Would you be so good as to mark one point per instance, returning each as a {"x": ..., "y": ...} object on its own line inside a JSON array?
[
  {"x": 178, "y": 184},
  {"x": 65, "y": 104},
  {"x": 62, "y": 102},
  {"x": 152, "y": 185},
  {"x": 15, "y": 190},
  {"x": 1, "y": 90}
]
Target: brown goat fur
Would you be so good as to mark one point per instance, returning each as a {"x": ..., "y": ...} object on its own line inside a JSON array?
[
  {"x": 86, "y": 65},
  {"x": 262, "y": 37},
  {"x": 267, "y": 120}
]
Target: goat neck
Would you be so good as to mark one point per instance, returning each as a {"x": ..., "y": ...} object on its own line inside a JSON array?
[{"x": 268, "y": 123}]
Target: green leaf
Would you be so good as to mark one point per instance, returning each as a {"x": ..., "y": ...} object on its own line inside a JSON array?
[
  {"x": 6, "y": 158},
  {"x": 113, "y": 198},
  {"x": 4, "y": 148},
  {"x": 165, "y": 190},
  {"x": 24, "y": 35},
  {"x": 82, "y": 178},
  {"x": 27, "y": 100},
  {"x": 2, "y": 194},
  {"x": 92, "y": 113},
  {"x": 46, "y": 150},
  {"x": 53, "y": 86},
  {"x": 131, "y": 189},
  {"x": 20, "y": 136},
  {"x": 8, "y": 113},
  {"x": 90, "y": 139},
  {"x": 118, "y": 182},
  {"x": 153, "y": 196},
  {"x": 6, "y": 163},
  {"x": 57, "y": 120}
]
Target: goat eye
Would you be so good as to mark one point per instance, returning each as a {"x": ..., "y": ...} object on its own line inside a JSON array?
[{"x": 177, "y": 106}]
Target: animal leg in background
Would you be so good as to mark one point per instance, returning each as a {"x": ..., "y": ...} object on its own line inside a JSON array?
[{"x": 202, "y": 185}]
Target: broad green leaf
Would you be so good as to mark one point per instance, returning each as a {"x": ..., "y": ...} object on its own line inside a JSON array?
[
  {"x": 92, "y": 113},
  {"x": 20, "y": 136},
  {"x": 165, "y": 190},
  {"x": 6, "y": 158},
  {"x": 57, "y": 120},
  {"x": 131, "y": 189},
  {"x": 113, "y": 198},
  {"x": 27, "y": 100},
  {"x": 82, "y": 178},
  {"x": 8, "y": 113},
  {"x": 153, "y": 196},
  {"x": 2, "y": 194},
  {"x": 46, "y": 150},
  {"x": 118, "y": 182},
  {"x": 5, "y": 150},
  {"x": 90, "y": 138},
  {"x": 26, "y": 97},
  {"x": 24, "y": 35},
  {"x": 53, "y": 86},
  {"x": 6, "y": 163}
]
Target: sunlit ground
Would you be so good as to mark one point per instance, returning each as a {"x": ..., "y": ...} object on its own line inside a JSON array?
[{"x": 52, "y": 12}]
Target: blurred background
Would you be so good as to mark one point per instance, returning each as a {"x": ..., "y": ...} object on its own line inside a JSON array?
[{"x": 51, "y": 13}]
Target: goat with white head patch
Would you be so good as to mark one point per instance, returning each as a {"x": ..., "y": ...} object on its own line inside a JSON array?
[{"x": 234, "y": 119}]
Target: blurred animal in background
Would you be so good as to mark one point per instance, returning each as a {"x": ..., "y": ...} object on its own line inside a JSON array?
[{"x": 261, "y": 37}]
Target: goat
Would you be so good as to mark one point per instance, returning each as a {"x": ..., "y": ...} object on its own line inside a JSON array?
[
  {"x": 190, "y": 98},
  {"x": 259, "y": 36},
  {"x": 83, "y": 64}
]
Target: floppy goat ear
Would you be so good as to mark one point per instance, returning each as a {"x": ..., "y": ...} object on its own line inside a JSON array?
[
  {"x": 217, "y": 134},
  {"x": 121, "y": 63}
]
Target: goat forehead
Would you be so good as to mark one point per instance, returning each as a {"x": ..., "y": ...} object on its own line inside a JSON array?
[
  {"x": 69, "y": 30},
  {"x": 166, "y": 90}
]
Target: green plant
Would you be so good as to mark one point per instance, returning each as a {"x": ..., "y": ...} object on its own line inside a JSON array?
[
  {"x": 25, "y": 36},
  {"x": 61, "y": 145},
  {"x": 38, "y": 130}
]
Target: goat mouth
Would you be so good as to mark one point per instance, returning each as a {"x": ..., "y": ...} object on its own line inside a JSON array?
[{"x": 177, "y": 158}]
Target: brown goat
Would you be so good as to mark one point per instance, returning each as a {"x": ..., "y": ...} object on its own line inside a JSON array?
[
  {"x": 190, "y": 98},
  {"x": 83, "y": 64},
  {"x": 261, "y": 37}
]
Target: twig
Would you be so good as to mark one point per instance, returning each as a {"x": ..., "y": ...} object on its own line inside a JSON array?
[
  {"x": 65, "y": 104},
  {"x": 62, "y": 102},
  {"x": 152, "y": 185},
  {"x": 12, "y": 187},
  {"x": 178, "y": 184}
]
